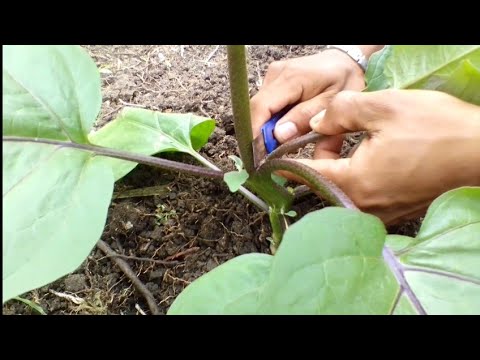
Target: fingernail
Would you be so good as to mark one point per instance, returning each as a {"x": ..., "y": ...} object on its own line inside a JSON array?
[
  {"x": 314, "y": 121},
  {"x": 286, "y": 131}
]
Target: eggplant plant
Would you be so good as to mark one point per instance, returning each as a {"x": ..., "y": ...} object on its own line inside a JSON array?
[{"x": 58, "y": 178}]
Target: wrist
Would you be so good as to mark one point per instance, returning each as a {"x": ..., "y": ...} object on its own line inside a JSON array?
[
  {"x": 359, "y": 54},
  {"x": 353, "y": 52}
]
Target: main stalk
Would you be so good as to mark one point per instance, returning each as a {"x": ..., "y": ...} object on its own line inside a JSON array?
[{"x": 276, "y": 196}]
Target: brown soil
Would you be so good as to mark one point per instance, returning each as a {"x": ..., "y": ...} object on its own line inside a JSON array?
[{"x": 198, "y": 224}]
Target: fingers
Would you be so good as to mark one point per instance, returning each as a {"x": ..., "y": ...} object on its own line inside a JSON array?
[
  {"x": 352, "y": 111},
  {"x": 296, "y": 122},
  {"x": 274, "y": 70},
  {"x": 271, "y": 99},
  {"x": 337, "y": 170},
  {"x": 329, "y": 147}
]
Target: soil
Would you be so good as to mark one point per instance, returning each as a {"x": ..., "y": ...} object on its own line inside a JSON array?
[{"x": 197, "y": 224}]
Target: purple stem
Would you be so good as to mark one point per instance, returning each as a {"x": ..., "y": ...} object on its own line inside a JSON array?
[
  {"x": 294, "y": 144},
  {"x": 124, "y": 155},
  {"x": 317, "y": 182},
  {"x": 398, "y": 272}
]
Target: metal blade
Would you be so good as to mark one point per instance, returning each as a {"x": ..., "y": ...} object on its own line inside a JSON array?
[{"x": 259, "y": 150}]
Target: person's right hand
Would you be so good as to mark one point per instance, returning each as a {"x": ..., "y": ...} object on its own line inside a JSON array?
[
  {"x": 310, "y": 82},
  {"x": 420, "y": 144}
]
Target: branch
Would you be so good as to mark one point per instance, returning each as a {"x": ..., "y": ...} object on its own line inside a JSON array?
[
  {"x": 294, "y": 144},
  {"x": 125, "y": 155},
  {"x": 301, "y": 191},
  {"x": 244, "y": 191},
  {"x": 317, "y": 182},
  {"x": 122, "y": 264}
]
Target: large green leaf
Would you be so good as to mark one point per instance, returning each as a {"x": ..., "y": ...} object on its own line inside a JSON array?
[
  {"x": 55, "y": 202},
  {"x": 454, "y": 69},
  {"x": 55, "y": 198},
  {"x": 149, "y": 132},
  {"x": 49, "y": 91},
  {"x": 442, "y": 264},
  {"x": 335, "y": 261},
  {"x": 230, "y": 289},
  {"x": 331, "y": 262}
]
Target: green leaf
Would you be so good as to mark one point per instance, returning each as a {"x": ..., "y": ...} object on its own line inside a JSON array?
[
  {"x": 280, "y": 180},
  {"x": 448, "y": 68},
  {"x": 31, "y": 304},
  {"x": 404, "y": 307},
  {"x": 374, "y": 74},
  {"x": 464, "y": 83},
  {"x": 330, "y": 262},
  {"x": 231, "y": 288},
  {"x": 55, "y": 203},
  {"x": 235, "y": 179},
  {"x": 49, "y": 91},
  {"x": 149, "y": 132},
  {"x": 55, "y": 198},
  {"x": 291, "y": 213},
  {"x": 398, "y": 242},
  {"x": 443, "y": 263}
]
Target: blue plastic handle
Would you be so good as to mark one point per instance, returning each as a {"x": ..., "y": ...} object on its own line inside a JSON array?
[{"x": 267, "y": 130}]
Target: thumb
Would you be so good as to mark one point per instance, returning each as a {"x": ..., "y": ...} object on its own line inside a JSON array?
[
  {"x": 351, "y": 111},
  {"x": 296, "y": 121}
]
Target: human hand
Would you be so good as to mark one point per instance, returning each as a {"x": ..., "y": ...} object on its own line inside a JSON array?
[
  {"x": 310, "y": 82},
  {"x": 419, "y": 144}
]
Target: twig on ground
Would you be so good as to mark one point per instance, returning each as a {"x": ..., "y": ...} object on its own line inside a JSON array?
[
  {"x": 181, "y": 84},
  {"x": 182, "y": 253},
  {"x": 122, "y": 264},
  {"x": 131, "y": 104},
  {"x": 140, "y": 309},
  {"x": 212, "y": 53},
  {"x": 203, "y": 111},
  {"x": 73, "y": 298},
  {"x": 111, "y": 112},
  {"x": 176, "y": 279},
  {"x": 160, "y": 262}
]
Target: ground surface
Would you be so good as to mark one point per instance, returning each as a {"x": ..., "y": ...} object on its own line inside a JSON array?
[{"x": 196, "y": 224}]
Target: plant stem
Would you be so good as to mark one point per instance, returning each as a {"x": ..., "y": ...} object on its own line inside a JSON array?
[
  {"x": 277, "y": 228},
  {"x": 398, "y": 272},
  {"x": 125, "y": 155},
  {"x": 317, "y": 182},
  {"x": 244, "y": 191},
  {"x": 294, "y": 144},
  {"x": 237, "y": 67},
  {"x": 275, "y": 195}
]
